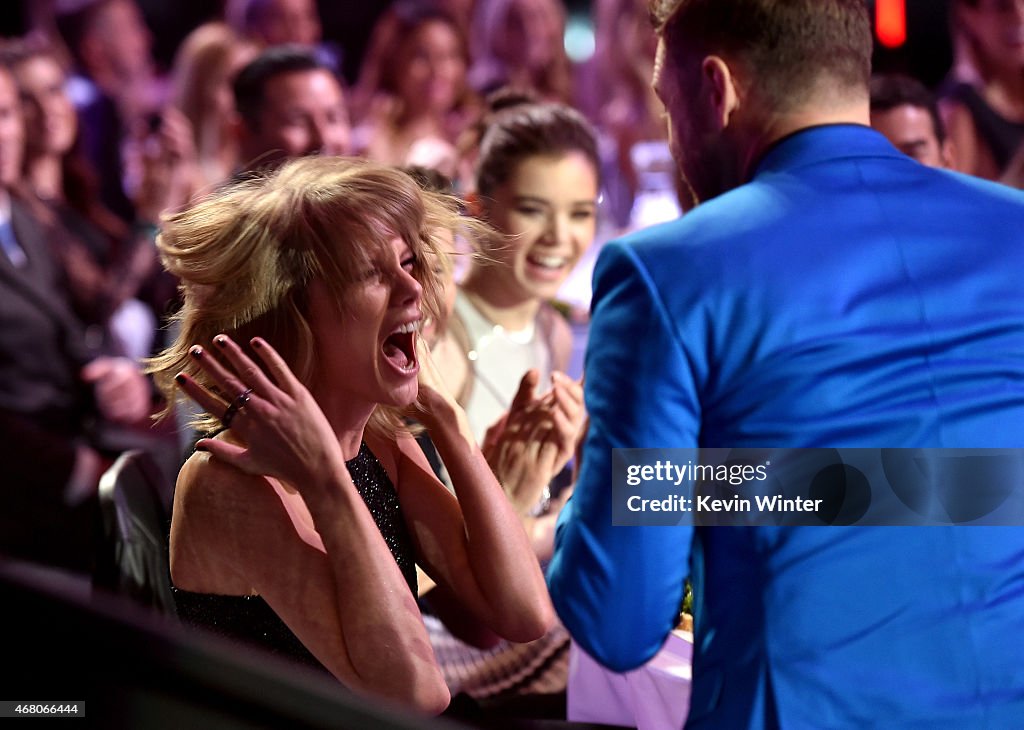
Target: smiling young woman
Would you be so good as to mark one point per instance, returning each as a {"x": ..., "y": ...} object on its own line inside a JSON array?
[
  {"x": 299, "y": 525},
  {"x": 536, "y": 184}
]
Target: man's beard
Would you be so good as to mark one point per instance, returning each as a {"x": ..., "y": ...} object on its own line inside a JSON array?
[
  {"x": 685, "y": 193},
  {"x": 713, "y": 172}
]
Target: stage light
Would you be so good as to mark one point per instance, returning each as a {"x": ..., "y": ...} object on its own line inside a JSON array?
[{"x": 891, "y": 22}]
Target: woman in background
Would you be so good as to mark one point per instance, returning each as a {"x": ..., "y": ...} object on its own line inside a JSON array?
[
  {"x": 300, "y": 524},
  {"x": 520, "y": 43},
  {"x": 639, "y": 172},
  {"x": 983, "y": 102},
  {"x": 413, "y": 91},
  {"x": 204, "y": 66},
  {"x": 536, "y": 185},
  {"x": 108, "y": 264}
]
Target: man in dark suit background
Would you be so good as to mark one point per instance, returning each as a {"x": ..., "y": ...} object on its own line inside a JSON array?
[
  {"x": 827, "y": 291},
  {"x": 59, "y": 395}
]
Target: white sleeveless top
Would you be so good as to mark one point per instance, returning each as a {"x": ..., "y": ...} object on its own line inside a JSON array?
[{"x": 498, "y": 359}]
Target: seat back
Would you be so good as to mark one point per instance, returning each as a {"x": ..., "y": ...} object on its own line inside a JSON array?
[{"x": 133, "y": 557}]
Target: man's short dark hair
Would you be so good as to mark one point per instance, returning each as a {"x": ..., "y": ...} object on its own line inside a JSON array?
[
  {"x": 249, "y": 85},
  {"x": 889, "y": 91},
  {"x": 787, "y": 46}
]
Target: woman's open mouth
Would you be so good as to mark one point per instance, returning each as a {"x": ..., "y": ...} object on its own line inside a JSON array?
[{"x": 400, "y": 347}]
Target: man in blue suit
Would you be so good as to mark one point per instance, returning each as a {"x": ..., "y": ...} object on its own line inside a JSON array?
[{"x": 827, "y": 291}]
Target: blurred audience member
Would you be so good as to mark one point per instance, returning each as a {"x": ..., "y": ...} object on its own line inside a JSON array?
[
  {"x": 110, "y": 266},
  {"x": 907, "y": 113},
  {"x": 275, "y": 22},
  {"x": 640, "y": 176},
  {"x": 983, "y": 101},
  {"x": 114, "y": 86},
  {"x": 61, "y": 399},
  {"x": 289, "y": 104},
  {"x": 204, "y": 67},
  {"x": 415, "y": 90},
  {"x": 521, "y": 43},
  {"x": 386, "y": 35},
  {"x": 282, "y": 22}
]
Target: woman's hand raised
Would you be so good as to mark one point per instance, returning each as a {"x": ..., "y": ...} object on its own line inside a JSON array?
[
  {"x": 282, "y": 431},
  {"x": 433, "y": 398}
]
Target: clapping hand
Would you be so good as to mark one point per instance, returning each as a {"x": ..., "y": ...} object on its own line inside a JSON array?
[{"x": 529, "y": 445}]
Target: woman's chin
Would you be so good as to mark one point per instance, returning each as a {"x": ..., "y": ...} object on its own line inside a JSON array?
[
  {"x": 544, "y": 290},
  {"x": 403, "y": 396}
]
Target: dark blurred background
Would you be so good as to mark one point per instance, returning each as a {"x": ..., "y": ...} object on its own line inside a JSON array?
[{"x": 926, "y": 54}]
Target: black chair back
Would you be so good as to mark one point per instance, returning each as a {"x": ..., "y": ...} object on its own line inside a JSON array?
[{"x": 133, "y": 558}]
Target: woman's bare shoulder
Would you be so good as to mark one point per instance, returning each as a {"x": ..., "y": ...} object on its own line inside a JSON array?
[
  {"x": 217, "y": 512},
  {"x": 205, "y": 482}
]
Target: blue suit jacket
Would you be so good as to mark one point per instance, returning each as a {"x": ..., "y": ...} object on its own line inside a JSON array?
[{"x": 845, "y": 297}]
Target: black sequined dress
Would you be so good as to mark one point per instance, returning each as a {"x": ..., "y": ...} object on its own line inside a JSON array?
[{"x": 250, "y": 619}]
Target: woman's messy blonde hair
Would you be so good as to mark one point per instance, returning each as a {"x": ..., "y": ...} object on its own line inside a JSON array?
[{"x": 245, "y": 255}]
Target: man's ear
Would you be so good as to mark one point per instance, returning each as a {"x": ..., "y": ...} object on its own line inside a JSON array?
[
  {"x": 722, "y": 87},
  {"x": 947, "y": 153}
]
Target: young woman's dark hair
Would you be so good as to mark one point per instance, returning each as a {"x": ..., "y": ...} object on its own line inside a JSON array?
[{"x": 530, "y": 130}]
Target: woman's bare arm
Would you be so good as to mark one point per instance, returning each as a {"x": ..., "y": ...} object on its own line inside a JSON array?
[{"x": 475, "y": 545}]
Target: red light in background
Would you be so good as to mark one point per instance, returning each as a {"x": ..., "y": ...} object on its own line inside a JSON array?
[{"x": 891, "y": 22}]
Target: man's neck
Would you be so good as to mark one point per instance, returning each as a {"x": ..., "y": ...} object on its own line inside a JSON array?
[{"x": 778, "y": 126}]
